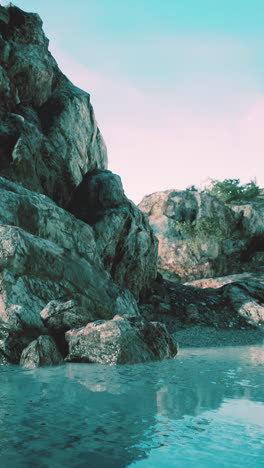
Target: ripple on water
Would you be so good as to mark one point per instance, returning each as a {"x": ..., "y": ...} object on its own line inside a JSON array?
[{"x": 203, "y": 409}]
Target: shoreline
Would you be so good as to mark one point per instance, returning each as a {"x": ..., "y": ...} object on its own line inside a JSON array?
[{"x": 201, "y": 337}]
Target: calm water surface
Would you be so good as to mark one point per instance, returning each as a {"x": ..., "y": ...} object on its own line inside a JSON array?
[{"x": 203, "y": 409}]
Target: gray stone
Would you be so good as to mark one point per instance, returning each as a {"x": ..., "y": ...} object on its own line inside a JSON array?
[
  {"x": 200, "y": 237},
  {"x": 120, "y": 341},
  {"x": 41, "y": 352},
  {"x": 51, "y": 153},
  {"x": 124, "y": 239}
]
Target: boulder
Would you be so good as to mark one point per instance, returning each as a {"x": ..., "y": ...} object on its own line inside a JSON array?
[
  {"x": 49, "y": 137},
  {"x": 41, "y": 352},
  {"x": 120, "y": 341},
  {"x": 247, "y": 300}
]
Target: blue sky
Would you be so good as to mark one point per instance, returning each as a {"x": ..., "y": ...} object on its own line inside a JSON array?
[{"x": 177, "y": 86}]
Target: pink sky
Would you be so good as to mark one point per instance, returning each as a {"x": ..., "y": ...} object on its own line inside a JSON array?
[{"x": 204, "y": 127}]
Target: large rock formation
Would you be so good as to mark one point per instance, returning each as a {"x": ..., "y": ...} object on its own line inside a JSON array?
[
  {"x": 58, "y": 272},
  {"x": 124, "y": 239},
  {"x": 120, "y": 341},
  {"x": 229, "y": 302},
  {"x": 199, "y": 236},
  {"x": 49, "y": 137}
]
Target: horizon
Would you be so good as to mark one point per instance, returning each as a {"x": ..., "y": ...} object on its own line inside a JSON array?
[{"x": 178, "y": 90}]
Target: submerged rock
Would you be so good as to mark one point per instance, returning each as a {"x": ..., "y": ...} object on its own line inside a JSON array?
[
  {"x": 41, "y": 352},
  {"x": 120, "y": 341}
]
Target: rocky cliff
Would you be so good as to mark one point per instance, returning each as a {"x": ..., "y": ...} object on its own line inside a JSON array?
[
  {"x": 201, "y": 237},
  {"x": 73, "y": 248}
]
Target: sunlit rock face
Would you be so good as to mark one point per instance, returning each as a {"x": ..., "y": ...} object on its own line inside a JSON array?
[
  {"x": 200, "y": 237},
  {"x": 58, "y": 272},
  {"x": 48, "y": 133},
  {"x": 120, "y": 341}
]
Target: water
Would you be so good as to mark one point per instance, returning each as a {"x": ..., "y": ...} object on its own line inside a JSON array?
[{"x": 203, "y": 409}]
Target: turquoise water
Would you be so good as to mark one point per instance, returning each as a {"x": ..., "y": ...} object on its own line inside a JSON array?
[{"x": 203, "y": 409}]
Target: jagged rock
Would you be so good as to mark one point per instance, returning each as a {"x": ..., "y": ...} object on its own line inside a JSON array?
[
  {"x": 231, "y": 302},
  {"x": 58, "y": 272},
  {"x": 123, "y": 236},
  {"x": 120, "y": 341},
  {"x": 47, "y": 255},
  {"x": 247, "y": 299},
  {"x": 199, "y": 236},
  {"x": 62, "y": 316},
  {"x": 41, "y": 352},
  {"x": 49, "y": 137},
  {"x": 12, "y": 342}
]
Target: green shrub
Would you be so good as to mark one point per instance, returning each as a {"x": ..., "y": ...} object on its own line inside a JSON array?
[
  {"x": 230, "y": 190},
  {"x": 204, "y": 227}
]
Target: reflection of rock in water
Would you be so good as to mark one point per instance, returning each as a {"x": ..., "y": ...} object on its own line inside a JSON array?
[{"x": 111, "y": 416}]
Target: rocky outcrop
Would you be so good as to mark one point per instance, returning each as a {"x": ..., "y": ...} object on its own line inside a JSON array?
[
  {"x": 57, "y": 272},
  {"x": 49, "y": 137},
  {"x": 52, "y": 276},
  {"x": 230, "y": 302},
  {"x": 41, "y": 352},
  {"x": 120, "y": 341},
  {"x": 199, "y": 236},
  {"x": 124, "y": 239}
]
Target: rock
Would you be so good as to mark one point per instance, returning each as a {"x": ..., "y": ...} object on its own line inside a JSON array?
[
  {"x": 200, "y": 237},
  {"x": 58, "y": 272},
  {"x": 41, "y": 352},
  {"x": 192, "y": 313},
  {"x": 51, "y": 274},
  {"x": 231, "y": 302},
  {"x": 46, "y": 254},
  {"x": 247, "y": 299},
  {"x": 49, "y": 137},
  {"x": 120, "y": 341},
  {"x": 61, "y": 316},
  {"x": 12, "y": 343},
  {"x": 124, "y": 239}
]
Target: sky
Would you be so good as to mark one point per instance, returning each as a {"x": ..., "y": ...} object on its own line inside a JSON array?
[{"x": 177, "y": 86}]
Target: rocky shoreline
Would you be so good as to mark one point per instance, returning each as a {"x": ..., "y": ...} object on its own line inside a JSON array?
[
  {"x": 201, "y": 337},
  {"x": 78, "y": 260}
]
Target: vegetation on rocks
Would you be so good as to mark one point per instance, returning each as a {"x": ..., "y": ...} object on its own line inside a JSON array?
[{"x": 230, "y": 190}]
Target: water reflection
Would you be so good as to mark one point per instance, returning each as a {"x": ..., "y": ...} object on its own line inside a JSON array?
[{"x": 87, "y": 415}]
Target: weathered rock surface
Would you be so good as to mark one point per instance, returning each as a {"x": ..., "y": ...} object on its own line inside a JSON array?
[
  {"x": 47, "y": 254},
  {"x": 58, "y": 272},
  {"x": 120, "y": 341},
  {"x": 199, "y": 236},
  {"x": 232, "y": 302},
  {"x": 124, "y": 239},
  {"x": 49, "y": 137},
  {"x": 41, "y": 352},
  {"x": 62, "y": 316}
]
